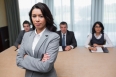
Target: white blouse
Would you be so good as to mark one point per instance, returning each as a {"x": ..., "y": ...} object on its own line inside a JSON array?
[
  {"x": 89, "y": 37},
  {"x": 36, "y": 39}
]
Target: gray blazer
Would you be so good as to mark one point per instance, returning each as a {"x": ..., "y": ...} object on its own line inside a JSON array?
[
  {"x": 19, "y": 39},
  {"x": 48, "y": 43}
]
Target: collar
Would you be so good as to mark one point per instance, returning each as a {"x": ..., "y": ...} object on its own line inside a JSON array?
[
  {"x": 64, "y": 34},
  {"x": 97, "y": 36},
  {"x": 40, "y": 34}
]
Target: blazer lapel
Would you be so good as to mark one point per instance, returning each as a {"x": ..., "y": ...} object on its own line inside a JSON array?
[
  {"x": 32, "y": 35},
  {"x": 40, "y": 42}
]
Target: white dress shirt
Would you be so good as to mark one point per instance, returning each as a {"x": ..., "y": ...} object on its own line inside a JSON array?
[
  {"x": 65, "y": 39},
  {"x": 89, "y": 37},
  {"x": 36, "y": 39}
]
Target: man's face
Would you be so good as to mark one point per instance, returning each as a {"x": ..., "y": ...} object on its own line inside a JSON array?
[
  {"x": 26, "y": 27},
  {"x": 63, "y": 28}
]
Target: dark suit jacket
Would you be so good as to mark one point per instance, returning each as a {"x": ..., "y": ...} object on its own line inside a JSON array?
[
  {"x": 70, "y": 38},
  {"x": 19, "y": 39}
]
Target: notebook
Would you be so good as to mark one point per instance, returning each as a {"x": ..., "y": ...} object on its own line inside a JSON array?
[{"x": 99, "y": 49}]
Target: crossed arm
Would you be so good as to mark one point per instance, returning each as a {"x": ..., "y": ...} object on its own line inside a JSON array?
[{"x": 35, "y": 64}]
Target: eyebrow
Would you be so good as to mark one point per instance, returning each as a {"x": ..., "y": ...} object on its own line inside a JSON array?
[
  {"x": 98, "y": 26},
  {"x": 37, "y": 14}
]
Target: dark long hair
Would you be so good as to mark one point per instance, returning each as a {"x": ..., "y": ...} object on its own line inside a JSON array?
[
  {"x": 100, "y": 24},
  {"x": 47, "y": 15}
]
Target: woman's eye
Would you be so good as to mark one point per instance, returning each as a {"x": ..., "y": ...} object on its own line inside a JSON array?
[
  {"x": 33, "y": 16},
  {"x": 41, "y": 16}
]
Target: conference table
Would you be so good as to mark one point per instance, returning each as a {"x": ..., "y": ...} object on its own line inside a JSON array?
[{"x": 78, "y": 62}]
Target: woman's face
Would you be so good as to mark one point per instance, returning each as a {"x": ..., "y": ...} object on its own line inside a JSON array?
[
  {"x": 38, "y": 19},
  {"x": 98, "y": 28}
]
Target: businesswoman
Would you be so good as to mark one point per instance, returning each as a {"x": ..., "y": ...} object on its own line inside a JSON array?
[
  {"x": 37, "y": 43},
  {"x": 98, "y": 38}
]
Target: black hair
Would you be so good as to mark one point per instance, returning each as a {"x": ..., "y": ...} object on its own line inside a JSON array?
[
  {"x": 63, "y": 23},
  {"x": 47, "y": 15},
  {"x": 26, "y": 22},
  {"x": 100, "y": 24}
]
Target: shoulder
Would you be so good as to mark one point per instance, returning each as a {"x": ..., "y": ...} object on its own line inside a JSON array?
[
  {"x": 27, "y": 34},
  {"x": 22, "y": 31},
  {"x": 58, "y": 31},
  {"x": 53, "y": 35},
  {"x": 105, "y": 35},
  {"x": 31, "y": 29},
  {"x": 71, "y": 32}
]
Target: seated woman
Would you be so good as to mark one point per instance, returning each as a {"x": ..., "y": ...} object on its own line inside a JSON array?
[{"x": 98, "y": 38}]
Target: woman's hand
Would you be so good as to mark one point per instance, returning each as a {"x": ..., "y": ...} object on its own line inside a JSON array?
[
  {"x": 93, "y": 48},
  {"x": 45, "y": 57},
  {"x": 25, "y": 55},
  {"x": 95, "y": 45}
]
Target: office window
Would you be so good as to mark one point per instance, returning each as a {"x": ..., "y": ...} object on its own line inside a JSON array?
[
  {"x": 109, "y": 19},
  {"x": 77, "y": 14},
  {"x": 24, "y": 8},
  {"x": 62, "y": 12},
  {"x": 82, "y": 20}
]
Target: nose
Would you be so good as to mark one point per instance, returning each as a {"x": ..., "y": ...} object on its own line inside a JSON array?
[{"x": 37, "y": 19}]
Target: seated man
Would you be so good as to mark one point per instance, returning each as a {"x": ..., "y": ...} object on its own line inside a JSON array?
[
  {"x": 26, "y": 26},
  {"x": 67, "y": 38}
]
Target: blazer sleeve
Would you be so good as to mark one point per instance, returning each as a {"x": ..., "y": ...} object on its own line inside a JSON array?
[
  {"x": 19, "y": 39},
  {"x": 35, "y": 64},
  {"x": 74, "y": 42},
  {"x": 21, "y": 53}
]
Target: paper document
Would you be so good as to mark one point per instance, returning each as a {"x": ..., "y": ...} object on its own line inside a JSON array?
[
  {"x": 99, "y": 49},
  {"x": 60, "y": 48}
]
